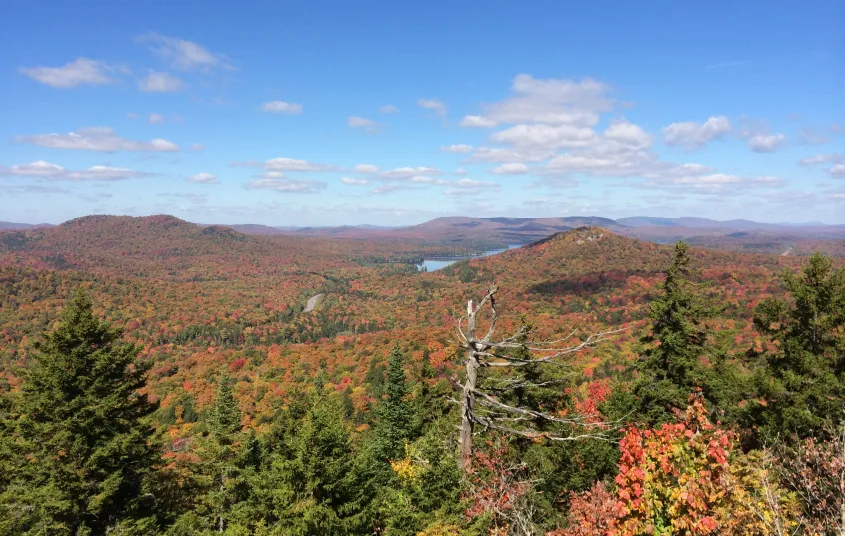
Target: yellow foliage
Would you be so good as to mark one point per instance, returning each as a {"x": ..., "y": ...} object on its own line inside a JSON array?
[
  {"x": 757, "y": 504},
  {"x": 407, "y": 471},
  {"x": 440, "y": 529}
]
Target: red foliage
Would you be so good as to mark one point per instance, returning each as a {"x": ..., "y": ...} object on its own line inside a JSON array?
[
  {"x": 669, "y": 478},
  {"x": 495, "y": 484},
  {"x": 237, "y": 364},
  {"x": 590, "y": 513}
]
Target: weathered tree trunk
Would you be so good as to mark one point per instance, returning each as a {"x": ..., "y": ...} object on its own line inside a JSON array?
[
  {"x": 467, "y": 407},
  {"x": 468, "y": 395},
  {"x": 491, "y": 412}
]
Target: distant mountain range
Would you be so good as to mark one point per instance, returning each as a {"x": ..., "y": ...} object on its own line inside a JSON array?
[
  {"x": 490, "y": 233},
  {"x": 496, "y": 232},
  {"x": 13, "y": 225},
  {"x": 699, "y": 223}
]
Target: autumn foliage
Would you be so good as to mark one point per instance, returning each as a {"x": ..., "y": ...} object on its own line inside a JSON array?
[{"x": 669, "y": 479}]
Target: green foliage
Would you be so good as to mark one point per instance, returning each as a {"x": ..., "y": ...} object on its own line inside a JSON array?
[
  {"x": 426, "y": 488},
  {"x": 220, "y": 478},
  {"x": 74, "y": 459},
  {"x": 82, "y": 446},
  {"x": 670, "y": 367},
  {"x": 225, "y": 417},
  {"x": 394, "y": 419},
  {"x": 375, "y": 377},
  {"x": 319, "y": 479},
  {"x": 803, "y": 381}
]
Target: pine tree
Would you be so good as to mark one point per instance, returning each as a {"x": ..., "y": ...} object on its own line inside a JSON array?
[
  {"x": 670, "y": 368},
  {"x": 394, "y": 412},
  {"x": 83, "y": 449},
  {"x": 803, "y": 381}
]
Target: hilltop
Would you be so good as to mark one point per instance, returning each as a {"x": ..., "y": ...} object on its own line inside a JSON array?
[
  {"x": 493, "y": 233},
  {"x": 477, "y": 233}
]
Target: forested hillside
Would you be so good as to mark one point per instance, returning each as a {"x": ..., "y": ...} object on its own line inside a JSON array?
[{"x": 160, "y": 377}]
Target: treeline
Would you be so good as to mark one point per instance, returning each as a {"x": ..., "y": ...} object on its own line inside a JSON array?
[{"x": 693, "y": 437}]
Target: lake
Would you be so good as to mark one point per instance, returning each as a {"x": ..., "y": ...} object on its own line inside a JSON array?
[{"x": 436, "y": 263}]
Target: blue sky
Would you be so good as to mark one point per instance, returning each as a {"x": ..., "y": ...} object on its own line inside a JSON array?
[{"x": 392, "y": 113}]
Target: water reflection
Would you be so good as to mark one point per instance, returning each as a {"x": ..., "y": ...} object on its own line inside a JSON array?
[{"x": 436, "y": 263}]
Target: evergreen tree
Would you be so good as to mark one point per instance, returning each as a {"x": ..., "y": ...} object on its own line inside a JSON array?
[
  {"x": 394, "y": 413},
  {"x": 220, "y": 473},
  {"x": 315, "y": 486},
  {"x": 225, "y": 417},
  {"x": 83, "y": 449},
  {"x": 375, "y": 377},
  {"x": 670, "y": 366},
  {"x": 803, "y": 381}
]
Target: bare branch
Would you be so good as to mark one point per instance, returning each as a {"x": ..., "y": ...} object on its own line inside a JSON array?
[
  {"x": 487, "y": 423},
  {"x": 583, "y": 422},
  {"x": 487, "y": 353}
]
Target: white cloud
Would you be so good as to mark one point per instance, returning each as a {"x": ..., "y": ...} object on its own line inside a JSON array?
[
  {"x": 286, "y": 185},
  {"x": 388, "y": 109},
  {"x": 204, "y": 178},
  {"x": 409, "y": 175},
  {"x": 460, "y": 171},
  {"x": 184, "y": 55},
  {"x": 366, "y": 168},
  {"x": 156, "y": 119},
  {"x": 425, "y": 179},
  {"x": 513, "y": 168},
  {"x": 458, "y": 148},
  {"x": 97, "y": 139},
  {"x": 766, "y": 143},
  {"x": 477, "y": 121},
  {"x": 628, "y": 134},
  {"x": 471, "y": 187},
  {"x": 285, "y": 164},
  {"x": 406, "y": 173},
  {"x": 38, "y": 168},
  {"x": 434, "y": 105},
  {"x": 81, "y": 71},
  {"x": 282, "y": 107},
  {"x": 197, "y": 147},
  {"x": 812, "y": 136},
  {"x": 160, "y": 82},
  {"x": 359, "y": 122},
  {"x": 388, "y": 189},
  {"x": 546, "y": 136},
  {"x": 837, "y": 171},
  {"x": 760, "y": 139},
  {"x": 553, "y": 101},
  {"x": 832, "y": 158},
  {"x": 354, "y": 182},
  {"x": 290, "y": 164},
  {"x": 611, "y": 161},
  {"x": 500, "y": 154},
  {"x": 104, "y": 173},
  {"x": 132, "y": 115},
  {"x": 46, "y": 170},
  {"x": 693, "y": 135},
  {"x": 718, "y": 178},
  {"x": 470, "y": 183}
]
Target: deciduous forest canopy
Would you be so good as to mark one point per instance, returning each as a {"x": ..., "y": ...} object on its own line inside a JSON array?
[{"x": 160, "y": 377}]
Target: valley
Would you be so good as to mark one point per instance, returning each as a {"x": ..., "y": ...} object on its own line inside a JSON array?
[{"x": 271, "y": 316}]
